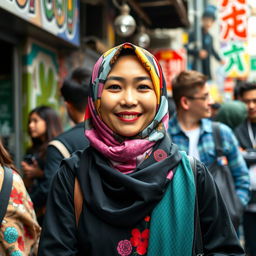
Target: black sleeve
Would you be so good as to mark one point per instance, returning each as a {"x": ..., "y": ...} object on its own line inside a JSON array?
[
  {"x": 59, "y": 230},
  {"x": 215, "y": 54},
  {"x": 191, "y": 47},
  {"x": 218, "y": 233},
  {"x": 53, "y": 160},
  {"x": 211, "y": 48}
]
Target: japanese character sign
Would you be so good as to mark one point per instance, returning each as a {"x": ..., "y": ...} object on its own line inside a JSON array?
[
  {"x": 236, "y": 59},
  {"x": 233, "y": 18}
]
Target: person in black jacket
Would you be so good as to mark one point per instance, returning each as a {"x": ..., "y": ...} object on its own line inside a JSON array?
[
  {"x": 246, "y": 135},
  {"x": 75, "y": 92},
  {"x": 207, "y": 49},
  {"x": 139, "y": 191}
]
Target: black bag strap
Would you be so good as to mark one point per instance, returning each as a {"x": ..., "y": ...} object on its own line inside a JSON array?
[
  {"x": 198, "y": 232},
  {"x": 217, "y": 138},
  {"x": 5, "y": 191}
]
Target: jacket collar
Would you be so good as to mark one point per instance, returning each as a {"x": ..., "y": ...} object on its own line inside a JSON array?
[{"x": 174, "y": 126}]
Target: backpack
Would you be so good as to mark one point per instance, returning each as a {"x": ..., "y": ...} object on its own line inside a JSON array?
[
  {"x": 224, "y": 180},
  {"x": 5, "y": 191}
]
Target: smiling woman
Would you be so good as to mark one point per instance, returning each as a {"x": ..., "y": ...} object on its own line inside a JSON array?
[
  {"x": 138, "y": 190},
  {"x": 128, "y": 100}
]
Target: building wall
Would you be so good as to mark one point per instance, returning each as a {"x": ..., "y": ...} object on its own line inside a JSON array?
[{"x": 40, "y": 74}]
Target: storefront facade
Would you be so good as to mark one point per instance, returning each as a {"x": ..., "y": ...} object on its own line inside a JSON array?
[{"x": 33, "y": 36}]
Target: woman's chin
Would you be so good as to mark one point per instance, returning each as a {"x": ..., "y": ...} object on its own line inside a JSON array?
[{"x": 128, "y": 134}]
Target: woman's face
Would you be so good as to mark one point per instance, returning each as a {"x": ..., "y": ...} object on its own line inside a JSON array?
[
  {"x": 128, "y": 101},
  {"x": 36, "y": 126}
]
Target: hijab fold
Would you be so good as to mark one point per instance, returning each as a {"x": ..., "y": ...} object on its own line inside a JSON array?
[{"x": 115, "y": 197}]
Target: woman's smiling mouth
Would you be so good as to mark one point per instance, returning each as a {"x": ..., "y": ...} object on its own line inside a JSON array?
[{"x": 128, "y": 116}]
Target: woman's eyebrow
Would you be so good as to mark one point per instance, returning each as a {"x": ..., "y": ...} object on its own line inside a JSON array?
[
  {"x": 141, "y": 78},
  {"x": 121, "y": 79},
  {"x": 118, "y": 78}
]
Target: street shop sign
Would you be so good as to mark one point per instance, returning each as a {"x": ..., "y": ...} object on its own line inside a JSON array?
[
  {"x": 235, "y": 37},
  {"x": 172, "y": 63},
  {"x": 233, "y": 17},
  {"x": 60, "y": 18}
]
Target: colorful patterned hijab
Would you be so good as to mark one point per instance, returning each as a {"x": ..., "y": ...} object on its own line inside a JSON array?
[{"x": 123, "y": 151}]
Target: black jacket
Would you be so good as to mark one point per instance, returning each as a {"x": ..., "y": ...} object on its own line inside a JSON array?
[
  {"x": 207, "y": 44},
  {"x": 60, "y": 233},
  {"x": 74, "y": 139},
  {"x": 243, "y": 138},
  {"x": 249, "y": 153}
]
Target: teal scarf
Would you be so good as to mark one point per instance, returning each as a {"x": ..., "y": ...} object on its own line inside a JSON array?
[{"x": 172, "y": 221}]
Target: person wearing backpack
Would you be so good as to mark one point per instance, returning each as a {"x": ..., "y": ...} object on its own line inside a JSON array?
[
  {"x": 193, "y": 131},
  {"x": 245, "y": 134},
  {"x": 19, "y": 230},
  {"x": 140, "y": 195},
  {"x": 74, "y": 91}
]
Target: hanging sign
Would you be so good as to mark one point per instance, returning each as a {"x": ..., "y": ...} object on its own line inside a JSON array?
[
  {"x": 172, "y": 63},
  {"x": 233, "y": 19}
]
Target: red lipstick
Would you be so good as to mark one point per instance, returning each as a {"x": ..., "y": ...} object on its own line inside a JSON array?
[{"x": 127, "y": 116}]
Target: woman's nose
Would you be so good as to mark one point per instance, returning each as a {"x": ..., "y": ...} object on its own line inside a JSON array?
[{"x": 129, "y": 98}]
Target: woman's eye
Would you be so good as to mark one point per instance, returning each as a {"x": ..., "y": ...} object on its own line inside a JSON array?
[
  {"x": 144, "y": 87},
  {"x": 113, "y": 87}
]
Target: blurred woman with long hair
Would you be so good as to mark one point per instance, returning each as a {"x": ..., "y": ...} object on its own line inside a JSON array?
[{"x": 43, "y": 125}]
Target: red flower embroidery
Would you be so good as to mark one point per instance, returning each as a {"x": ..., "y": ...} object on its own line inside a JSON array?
[
  {"x": 17, "y": 197},
  {"x": 140, "y": 240},
  {"x": 21, "y": 243},
  {"x": 160, "y": 155},
  {"x": 124, "y": 248},
  {"x": 147, "y": 218}
]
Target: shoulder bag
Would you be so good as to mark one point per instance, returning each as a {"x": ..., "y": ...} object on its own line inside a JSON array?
[
  {"x": 224, "y": 180},
  {"x": 5, "y": 191}
]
